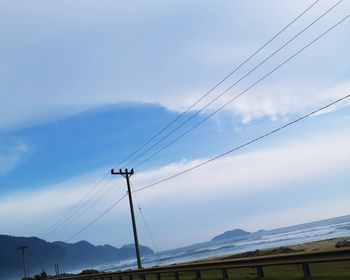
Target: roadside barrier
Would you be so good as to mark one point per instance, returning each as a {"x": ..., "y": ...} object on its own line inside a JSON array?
[{"x": 303, "y": 259}]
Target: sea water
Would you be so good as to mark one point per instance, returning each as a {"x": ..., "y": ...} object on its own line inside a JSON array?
[{"x": 298, "y": 234}]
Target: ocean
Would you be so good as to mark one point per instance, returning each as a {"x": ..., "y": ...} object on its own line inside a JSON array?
[{"x": 297, "y": 234}]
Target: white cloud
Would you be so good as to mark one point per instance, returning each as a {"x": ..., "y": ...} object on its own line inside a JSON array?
[
  {"x": 44, "y": 206},
  {"x": 71, "y": 57},
  {"x": 279, "y": 101},
  {"x": 12, "y": 154},
  {"x": 290, "y": 165},
  {"x": 290, "y": 162},
  {"x": 62, "y": 59}
]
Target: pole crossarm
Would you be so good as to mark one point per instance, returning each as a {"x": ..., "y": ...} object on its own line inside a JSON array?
[{"x": 123, "y": 173}]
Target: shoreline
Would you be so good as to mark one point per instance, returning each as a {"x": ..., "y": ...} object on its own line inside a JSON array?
[
  {"x": 324, "y": 244},
  {"x": 327, "y": 270},
  {"x": 320, "y": 245}
]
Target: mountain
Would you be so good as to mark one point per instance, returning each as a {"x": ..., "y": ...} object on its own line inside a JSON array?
[
  {"x": 231, "y": 234},
  {"x": 42, "y": 255}
]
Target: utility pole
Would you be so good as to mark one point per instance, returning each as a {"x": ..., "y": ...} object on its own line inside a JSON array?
[
  {"x": 126, "y": 174},
  {"x": 57, "y": 270},
  {"x": 23, "y": 259}
]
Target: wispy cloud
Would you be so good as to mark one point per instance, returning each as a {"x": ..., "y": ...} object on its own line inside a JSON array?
[
  {"x": 12, "y": 153},
  {"x": 119, "y": 55},
  {"x": 50, "y": 203},
  {"x": 286, "y": 168},
  {"x": 277, "y": 102},
  {"x": 272, "y": 168}
]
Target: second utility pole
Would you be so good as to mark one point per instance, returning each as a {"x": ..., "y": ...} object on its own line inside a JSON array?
[
  {"x": 24, "y": 260},
  {"x": 127, "y": 175}
]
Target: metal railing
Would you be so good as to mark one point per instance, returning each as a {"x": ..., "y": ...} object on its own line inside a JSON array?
[{"x": 258, "y": 263}]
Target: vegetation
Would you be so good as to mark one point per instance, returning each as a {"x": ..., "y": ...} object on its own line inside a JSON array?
[
  {"x": 89, "y": 272},
  {"x": 41, "y": 276}
]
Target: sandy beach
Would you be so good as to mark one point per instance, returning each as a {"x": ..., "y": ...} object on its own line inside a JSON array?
[
  {"x": 326, "y": 244},
  {"x": 321, "y": 245}
]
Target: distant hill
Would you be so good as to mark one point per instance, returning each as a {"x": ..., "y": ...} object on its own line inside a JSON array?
[
  {"x": 231, "y": 234},
  {"x": 43, "y": 255}
]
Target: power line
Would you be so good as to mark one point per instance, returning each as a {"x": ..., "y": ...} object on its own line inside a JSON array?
[
  {"x": 213, "y": 159},
  {"x": 105, "y": 212},
  {"x": 78, "y": 215},
  {"x": 63, "y": 219},
  {"x": 97, "y": 218},
  {"x": 245, "y": 144},
  {"x": 60, "y": 221},
  {"x": 146, "y": 225},
  {"x": 267, "y": 134},
  {"x": 240, "y": 94},
  {"x": 78, "y": 211},
  {"x": 219, "y": 83},
  {"x": 74, "y": 207},
  {"x": 233, "y": 85}
]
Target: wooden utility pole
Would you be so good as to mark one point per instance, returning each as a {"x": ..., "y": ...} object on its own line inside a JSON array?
[
  {"x": 126, "y": 174},
  {"x": 57, "y": 270},
  {"x": 24, "y": 261}
]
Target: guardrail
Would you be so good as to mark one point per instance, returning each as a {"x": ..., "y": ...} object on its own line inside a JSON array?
[{"x": 303, "y": 259}]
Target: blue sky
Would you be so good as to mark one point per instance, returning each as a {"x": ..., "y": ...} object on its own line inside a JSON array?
[{"x": 85, "y": 83}]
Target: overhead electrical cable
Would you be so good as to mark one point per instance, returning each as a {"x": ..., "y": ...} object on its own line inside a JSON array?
[
  {"x": 145, "y": 223},
  {"x": 233, "y": 85},
  {"x": 214, "y": 159},
  {"x": 97, "y": 218},
  {"x": 184, "y": 112},
  {"x": 219, "y": 83},
  {"x": 78, "y": 215},
  {"x": 77, "y": 212},
  {"x": 240, "y": 94},
  {"x": 75, "y": 206},
  {"x": 188, "y": 109},
  {"x": 245, "y": 144}
]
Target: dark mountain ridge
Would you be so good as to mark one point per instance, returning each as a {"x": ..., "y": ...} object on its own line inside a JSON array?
[{"x": 42, "y": 255}]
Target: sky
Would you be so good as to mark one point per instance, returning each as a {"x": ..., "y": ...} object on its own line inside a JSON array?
[{"x": 84, "y": 84}]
